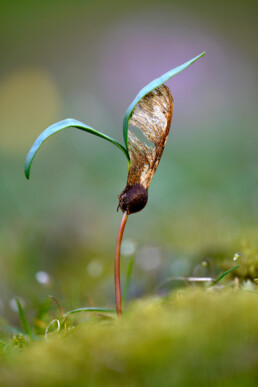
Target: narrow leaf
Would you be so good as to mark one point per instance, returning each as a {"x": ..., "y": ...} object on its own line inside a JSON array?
[
  {"x": 70, "y": 122},
  {"x": 226, "y": 273},
  {"x": 91, "y": 309},
  {"x": 23, "y": 318},
  {"x": 151, "y": 86}
]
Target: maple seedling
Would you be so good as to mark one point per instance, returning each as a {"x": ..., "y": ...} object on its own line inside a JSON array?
[{"x": 150, "y": 114}]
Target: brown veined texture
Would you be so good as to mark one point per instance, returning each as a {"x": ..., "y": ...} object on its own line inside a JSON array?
[{"x": 152, "y": 117}]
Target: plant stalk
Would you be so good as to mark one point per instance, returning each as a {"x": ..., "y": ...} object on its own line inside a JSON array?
[{"x": 117, "y": 264}]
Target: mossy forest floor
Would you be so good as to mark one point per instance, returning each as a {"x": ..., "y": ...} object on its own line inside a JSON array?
[
  {"x": 187, "y": 333},
  {"x": 192, "y": 337}
]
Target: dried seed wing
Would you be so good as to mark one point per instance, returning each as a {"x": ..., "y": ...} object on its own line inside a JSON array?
[
  {"x": 152, "y": 117},
  {"x": 147, "y": 135}
]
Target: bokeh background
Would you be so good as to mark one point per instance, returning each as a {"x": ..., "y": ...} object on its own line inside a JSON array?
[{"x": 87, "y": 60}]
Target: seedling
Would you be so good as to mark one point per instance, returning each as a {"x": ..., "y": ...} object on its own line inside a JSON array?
[{"x": 150, "y": 114}]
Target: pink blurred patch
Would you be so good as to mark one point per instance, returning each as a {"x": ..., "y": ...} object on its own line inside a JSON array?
[{"x": 134, "y": 52}]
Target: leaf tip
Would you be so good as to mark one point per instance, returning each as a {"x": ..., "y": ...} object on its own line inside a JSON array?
[
  {"x": 27, "y": 170},
  {"x": 27, "y": 174}
]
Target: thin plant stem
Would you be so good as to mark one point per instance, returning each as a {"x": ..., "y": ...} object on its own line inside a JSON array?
[
  {"x": 117, "y": 264},
  {"x": 61, "y": 310}
]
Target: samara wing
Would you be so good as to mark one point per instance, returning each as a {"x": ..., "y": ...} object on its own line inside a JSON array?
[
  {"x": 147, "y": 135},
  {"x": 152, "y": 117}
]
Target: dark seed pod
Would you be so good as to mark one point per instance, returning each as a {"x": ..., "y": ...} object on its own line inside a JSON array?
[
  {"x": 151, "y": 118},
  {"x": 133, "y": 198}
]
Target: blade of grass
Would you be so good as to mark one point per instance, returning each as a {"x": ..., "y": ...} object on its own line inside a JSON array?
[
  {"x": 224, "y": 274},
  {"x": 23, "y": 318},
  {"x": 91, "y": 309}
]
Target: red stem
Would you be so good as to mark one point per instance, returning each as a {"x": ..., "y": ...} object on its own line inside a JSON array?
[
  {"x": 61, "y": 310},
  {"x": 117, "y": 265}
]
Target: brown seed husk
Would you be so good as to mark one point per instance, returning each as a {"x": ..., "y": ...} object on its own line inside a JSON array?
[{"x": 152, "y": 116}]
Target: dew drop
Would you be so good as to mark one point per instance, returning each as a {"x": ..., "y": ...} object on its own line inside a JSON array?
[
  {"x": 237, "y": 256},
  {"x": 42, "y": 277}
]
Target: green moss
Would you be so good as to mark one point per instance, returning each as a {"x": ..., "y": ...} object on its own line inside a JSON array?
[
  {"x": 193, "y": 337},
  {"x": 248, "y": 261}
]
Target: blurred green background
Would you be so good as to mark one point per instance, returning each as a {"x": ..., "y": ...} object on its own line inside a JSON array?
[{"x": 87, "y": 60}]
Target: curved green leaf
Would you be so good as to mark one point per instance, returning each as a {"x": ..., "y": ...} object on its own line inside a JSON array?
[
  {"x": 23, "y": 318},
  {"x": 91, "y": 309},
  {"x": 70, "y": 122},
  {"x": 151, "y": 86},
  {"x": 226, "y": 273}
]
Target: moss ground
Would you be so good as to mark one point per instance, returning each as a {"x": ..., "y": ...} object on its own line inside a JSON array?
[{"x": 193, "y": 337}]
